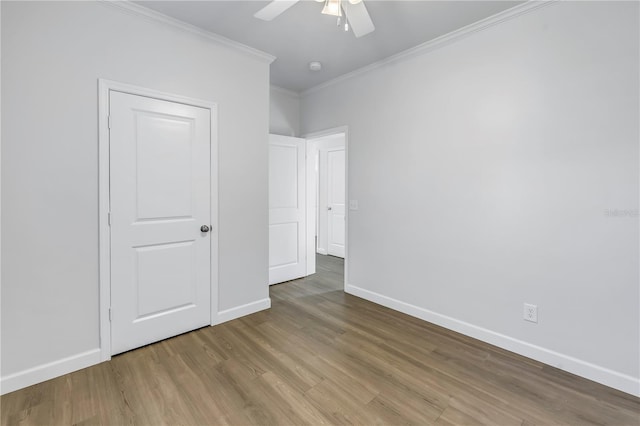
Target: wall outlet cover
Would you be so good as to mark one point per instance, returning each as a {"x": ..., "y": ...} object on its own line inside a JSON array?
[{"x": 530, "y": 312}]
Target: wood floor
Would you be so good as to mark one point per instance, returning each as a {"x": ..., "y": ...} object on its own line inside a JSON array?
[{"x": 320, "y": 356}]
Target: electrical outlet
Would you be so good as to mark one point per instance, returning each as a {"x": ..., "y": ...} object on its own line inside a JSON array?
[{"x": 530, "y": 312}]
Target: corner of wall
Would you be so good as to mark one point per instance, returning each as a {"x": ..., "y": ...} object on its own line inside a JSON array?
[{"x": 284, "y": 112}]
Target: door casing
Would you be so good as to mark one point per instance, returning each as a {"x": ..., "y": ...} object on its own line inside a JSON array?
[
  {"x": 104, "y": 87},
  {"x": 311, "y": 179}
]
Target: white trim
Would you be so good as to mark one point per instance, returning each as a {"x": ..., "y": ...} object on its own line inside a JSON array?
[
  {"x": 328, "y": 132},
  {"x": 605, "y": 376},
  {"x": 242, "y": 310},
  {"x": 438, "y": 42},
  {"x": 157, "y": 94},
  {"x": 104, "y": 236},
  {"x": 311, "y": 152},
  {"x": 214, "y": 203},
  {"x": 105, "y": 86},
  {"x": 0, "y": 184},
  {"x": 152, "y": 15},
  {"x": 285, "y": 92},
  {"x": 44, "y": 372},
  {"x": 322, "y": 251}
]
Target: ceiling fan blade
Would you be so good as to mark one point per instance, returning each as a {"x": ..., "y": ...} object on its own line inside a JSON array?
[
  {"x": 274, "y": 9},
  {"x": 358, "y": 18}
]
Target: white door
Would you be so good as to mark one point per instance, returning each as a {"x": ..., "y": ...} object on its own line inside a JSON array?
[
  {"x": 287, "y": 231},
  {"x": 336, "y": 202},
  {"x": 160, "y": 198}
]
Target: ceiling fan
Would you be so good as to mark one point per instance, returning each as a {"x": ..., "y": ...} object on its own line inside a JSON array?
[{"x": 355, "y": 11}]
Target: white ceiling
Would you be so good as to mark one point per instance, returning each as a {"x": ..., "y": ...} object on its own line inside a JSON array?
[{"x": 302, "y": 34}]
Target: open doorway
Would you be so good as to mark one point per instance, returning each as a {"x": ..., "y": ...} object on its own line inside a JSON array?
[{"x": 327, "y": 178}]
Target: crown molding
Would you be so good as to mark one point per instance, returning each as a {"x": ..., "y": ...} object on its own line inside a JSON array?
[
  {"x": 438, "y": 42},
  {"x": 286, "y": 92},
  {"x": 152, "y": 15}
]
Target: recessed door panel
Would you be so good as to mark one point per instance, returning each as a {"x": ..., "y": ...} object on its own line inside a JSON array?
[
  {"x": 283, "y": 243},
  {"x": 164, "y": 152},
  {"x": 336, "y": 235},
  {"x": 283, "y": 177},
  {"x": 165, "y": 278}
]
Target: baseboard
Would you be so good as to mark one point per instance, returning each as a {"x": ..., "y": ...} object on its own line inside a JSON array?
[
  {"x": 322, "y": 251},
  {"x": 54, "y": 369},
  {"x": 605, "y": 376},
  {"x": 51, "y": 370},
  {"x": 240, "y": 311}
]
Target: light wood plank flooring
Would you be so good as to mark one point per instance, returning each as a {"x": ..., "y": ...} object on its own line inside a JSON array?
[{"x": 320, "y": 356}]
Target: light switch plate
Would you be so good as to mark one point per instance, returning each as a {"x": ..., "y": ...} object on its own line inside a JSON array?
[{"x": 353, "y": 204}]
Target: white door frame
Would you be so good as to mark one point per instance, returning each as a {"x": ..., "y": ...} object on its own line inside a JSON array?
[
  {"x": 323, "y": 147},
  {"x": 104, "y": 87},
  {"x": 311, "y": 138}
]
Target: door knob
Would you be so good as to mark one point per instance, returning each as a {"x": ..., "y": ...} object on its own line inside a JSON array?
[
  {"x": 329, "y": 208},
  {"x": 204, "y": 228}
]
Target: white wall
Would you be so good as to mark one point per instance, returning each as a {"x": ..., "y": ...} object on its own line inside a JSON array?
[
  {"x": 284, "y": 112},
  {"x": 52, "y": 56},
  {"x": 488, "y": 172}
]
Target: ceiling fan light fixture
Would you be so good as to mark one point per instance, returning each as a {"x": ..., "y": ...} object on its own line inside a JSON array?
[
  {"x": 354, "y": 1},
  {"x": 332, "y": 7}
]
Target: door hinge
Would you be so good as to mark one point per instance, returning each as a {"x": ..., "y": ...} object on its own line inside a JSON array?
[
  {"x": 109, "y": 121},
  {"x": 109, "y": 314},
  {"x": 109, "y": 218}
]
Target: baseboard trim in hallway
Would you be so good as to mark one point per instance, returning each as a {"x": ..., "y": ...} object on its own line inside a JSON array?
[{"x": 242, "y": 310}]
